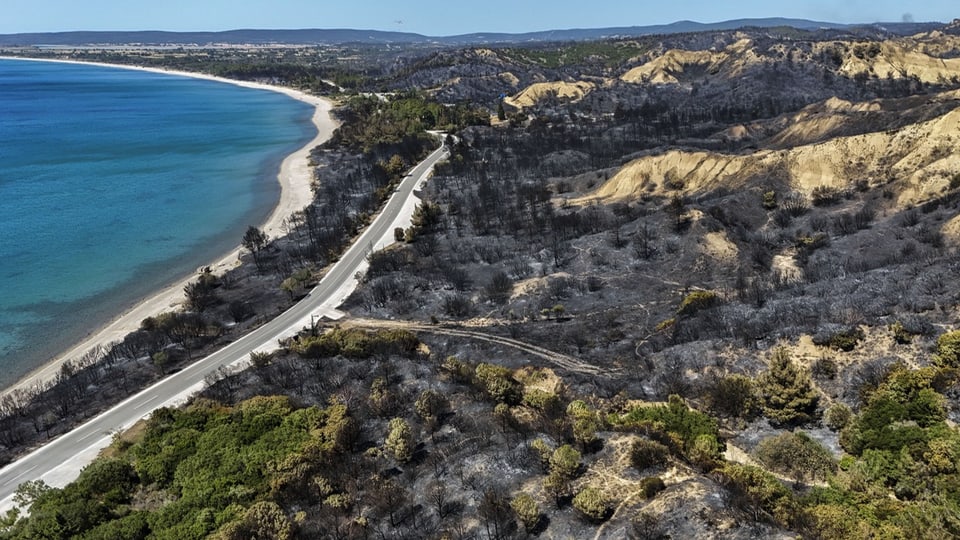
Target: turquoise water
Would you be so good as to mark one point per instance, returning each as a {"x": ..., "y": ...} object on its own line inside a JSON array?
[{"x": 114, "y": 183}]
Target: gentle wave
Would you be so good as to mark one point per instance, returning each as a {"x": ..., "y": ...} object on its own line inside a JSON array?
[{"x": 114, "y": 183}]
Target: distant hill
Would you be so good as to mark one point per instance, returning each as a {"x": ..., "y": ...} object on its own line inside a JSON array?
[
  {"x": 306, "y": 36},
  {"x": 341, "y": 36}
]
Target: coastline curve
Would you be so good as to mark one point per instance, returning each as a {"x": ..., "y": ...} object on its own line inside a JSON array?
[{"x": 294, "y": 176}]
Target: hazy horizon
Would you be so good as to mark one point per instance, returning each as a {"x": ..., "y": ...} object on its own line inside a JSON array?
[{"x": 432, "y": 17}]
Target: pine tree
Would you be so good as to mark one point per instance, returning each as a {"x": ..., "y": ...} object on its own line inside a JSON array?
[
  {"x": 254, "y": 240},
  {"x": 788, "y": 395},
  {"x": 400, "y": 440}
]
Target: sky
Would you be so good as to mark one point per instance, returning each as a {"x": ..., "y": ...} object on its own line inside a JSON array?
[{"x": 438, "y": 17}]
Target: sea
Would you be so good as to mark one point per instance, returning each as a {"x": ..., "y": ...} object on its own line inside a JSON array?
[{"x": 115, "y": 183}]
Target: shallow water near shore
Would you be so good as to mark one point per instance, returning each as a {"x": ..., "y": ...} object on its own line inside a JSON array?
[{"x": 114, "y": 183}]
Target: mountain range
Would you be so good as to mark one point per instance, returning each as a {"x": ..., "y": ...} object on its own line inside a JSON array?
[{"x": 343, "y": 36}]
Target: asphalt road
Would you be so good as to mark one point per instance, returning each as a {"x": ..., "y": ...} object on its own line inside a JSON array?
[{"x": 59, "y": 461}]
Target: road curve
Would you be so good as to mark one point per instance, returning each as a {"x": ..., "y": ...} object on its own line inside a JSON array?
[{"x": 59, "y": 461}]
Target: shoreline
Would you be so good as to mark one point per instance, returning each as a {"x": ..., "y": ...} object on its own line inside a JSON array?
[{"x": 295, "y": 178}]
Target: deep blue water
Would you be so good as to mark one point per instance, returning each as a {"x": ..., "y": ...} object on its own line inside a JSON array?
[{"x": 114, "y": 183}]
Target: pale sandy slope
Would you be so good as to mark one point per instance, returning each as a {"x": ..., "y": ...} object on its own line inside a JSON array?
[{"x": 295, "y": 177}]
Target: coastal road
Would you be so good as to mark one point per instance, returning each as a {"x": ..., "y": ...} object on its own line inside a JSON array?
[{"x": 59, "y": 461}]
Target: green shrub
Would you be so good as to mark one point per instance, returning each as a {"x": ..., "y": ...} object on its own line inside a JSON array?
[
  {"x": 837, "y": 416},
  {"x": 460, "y": 371},
  {"x": 357, "y": 343},
  {"x": 499, "y": 383},
  {"x": 541, "y": 400},
  {"x": 705, "y": 452},
  {"x": 756, "y": 491},
  {"x": 260, "y": 359},
  {"x": 787, "y": 394},
  {"x": 797, "y": 455},
  {"x": 527, "y": 511},
  {"x": 665, "y": 324},
  {"x": 676, "y": 420},
  {"x": 592, "y": 504},
  {"x": 543, "y": 452},
  {"x": 948, "y": 350},
  {"x": 430, "y": 405},
  {"x": 399, "y": 440},
  {"x": 808, "y": 243},
  {"x": 585, "y": 422},
  {"x": 903, "y": 412},
  {"x": 565, "y": 461},
  {"x": 732, "y": 396}
]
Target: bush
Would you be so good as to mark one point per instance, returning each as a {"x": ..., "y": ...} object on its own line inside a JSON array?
[
  {"x": 900, "y": 334},
  {"x": 787, "y": 394},
  {"x": 825, "y": 368},
  {"x": 838, "y": 416},
  {"x": 948, "y": 350},
  {"x": 592, "y": 504},
  {"x": 697, "y": 301},
  {"x": 705, "y": 452},
  {"x": 399, "y": 441},
  {"x": 677, "y": 425},
  {"x": 825, "y": 195},
  {"x": 460, "y": 371},
  {"x": 430, "y": 405},
  {"x": 732, "y": 396},
  {"x": 796, "y": 454},
  {"x": 651, "y": 486},
  {"x": 565, "y": 462},
  {"x": 499, "y": 287},
  {"x": 647, "y": 526},
  {"x": 499, "y": 383},
  {"x": 201, "y": 294},
  {"x": 795, "y": 205},
  {"x": 756, "y": 491},
  {"x": 769, "y": 200},
  {"x": 260, "y": 359},
  {"x": 357, "y": 343},
  {"x": 458, "y": 305},
  {"x": 645, "y": 453},
  {"x": 546, "y": 402},
  {"x": 843, "y": 340},
  {"x": 543, "y": 452},
  {"x": 239, "y": 311},
  {"x": 527, "y": 511},
  {"x": 902, "y": 412}
]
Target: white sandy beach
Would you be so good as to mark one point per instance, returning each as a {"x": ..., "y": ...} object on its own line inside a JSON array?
[{"x": 295, "y": 177}]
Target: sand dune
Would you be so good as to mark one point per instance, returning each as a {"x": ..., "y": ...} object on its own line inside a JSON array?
[
  {"x": 532, "y": 94},
  {"x": 919, "y": 158},
  {"x": 929, "y": 59},
  {"x": 674, "y": 65}
]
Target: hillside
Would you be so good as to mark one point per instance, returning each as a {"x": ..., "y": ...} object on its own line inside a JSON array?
[
  {"x": 913, "y": 163},
  {"x": 712, "y": 199},
  {"x": 699, "y": 285},
  {"x": 341, "y": 36}
]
